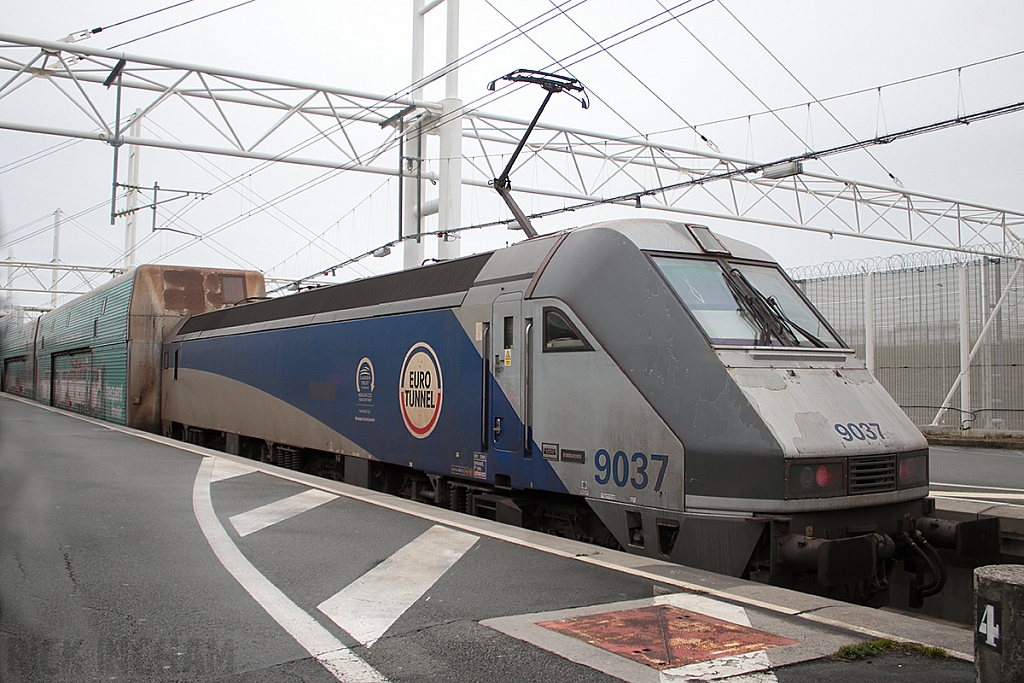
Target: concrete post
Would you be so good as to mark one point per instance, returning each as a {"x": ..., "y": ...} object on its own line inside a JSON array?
[{"x": 999, "y": 624}]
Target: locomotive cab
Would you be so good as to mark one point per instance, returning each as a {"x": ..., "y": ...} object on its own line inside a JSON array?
[{"x": 784, "y": 459}]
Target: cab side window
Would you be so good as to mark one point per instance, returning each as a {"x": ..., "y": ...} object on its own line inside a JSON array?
[{"x": 560, "y": 334}]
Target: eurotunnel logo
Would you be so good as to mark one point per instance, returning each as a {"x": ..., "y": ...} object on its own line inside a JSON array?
[{"x": 420, "y": 390}]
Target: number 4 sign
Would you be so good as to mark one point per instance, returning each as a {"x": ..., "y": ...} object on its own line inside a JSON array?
[{"x": 990, "y": 625}]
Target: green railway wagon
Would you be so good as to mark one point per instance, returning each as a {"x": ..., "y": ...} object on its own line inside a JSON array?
[
  {"x": 17, "y": 337},
  {"x": 99, "y": 354}
]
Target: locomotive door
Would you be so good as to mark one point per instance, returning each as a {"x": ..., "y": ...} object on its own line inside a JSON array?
[{"x": 507, "y": 346}]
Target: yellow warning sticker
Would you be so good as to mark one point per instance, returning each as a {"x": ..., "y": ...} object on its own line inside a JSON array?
[{"x": 508, "y": 357}]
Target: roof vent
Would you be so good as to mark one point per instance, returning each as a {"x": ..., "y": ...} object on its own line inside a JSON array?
[{"x": 706, "y": 240}]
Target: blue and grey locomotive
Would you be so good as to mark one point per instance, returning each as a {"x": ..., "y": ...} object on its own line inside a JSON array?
[{"x": 672, "y": 381}]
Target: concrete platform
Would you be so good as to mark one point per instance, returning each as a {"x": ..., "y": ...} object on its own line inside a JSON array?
[{"x": 158, "y": 560}]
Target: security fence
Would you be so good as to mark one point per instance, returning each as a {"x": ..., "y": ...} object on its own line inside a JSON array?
[{"x": 915, "y": 319}]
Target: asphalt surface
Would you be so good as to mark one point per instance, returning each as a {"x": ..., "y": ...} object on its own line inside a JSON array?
[
  {"x": 110, "y": 570},
  {"x": 978, "y": 473}
]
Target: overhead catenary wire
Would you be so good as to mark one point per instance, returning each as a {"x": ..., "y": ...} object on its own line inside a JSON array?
[
  {"x": 141, "y": 16},
  {"x": 36, "y": 156},
  {"x": 808, "y": 91},
  {"x": 184, "y": 23},
  {"x": 49, "y": 227},
  {"x": 350, "y": 212},
  {"x": 582, "y": 55},
  {"x": 641, "y": 82},
  {"x": 743, "y": 83},
  {"x": 850, "y": 93},
  {"x": 230, "y": 183}
]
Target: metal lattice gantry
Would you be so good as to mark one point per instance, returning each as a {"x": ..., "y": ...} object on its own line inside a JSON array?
[
  {"x": 599, "y": 168},
  {"x": 241, "y": 115},
  {"x": 66, "y": 279},
  {"x": 230, "y": 113}
]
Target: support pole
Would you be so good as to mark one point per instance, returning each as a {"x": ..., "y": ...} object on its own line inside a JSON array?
[
  {"x": 417, "y": 47},
  {"x": 56, "y": 258},
  {"x": 450, "y": 190},
  {"x": 132, "y": 203},
  {"x": 412, "y": 249},
  {"x": 986, "y": 358},
  {"x": 115, "y": 76},
  {"x": 869, "y": 322},
  {"x": 966, "y": 416},
  {"x": 10, "y": 279}
]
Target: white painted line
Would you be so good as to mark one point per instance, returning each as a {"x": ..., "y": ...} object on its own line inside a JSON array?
[
  {"x": 314, "y": 638},
  {"x": 246, "y": 523},
  {"x": 977, "y": 486},
  {"x": 228, "y": 469},
  {"x": 368, "y": 606}
]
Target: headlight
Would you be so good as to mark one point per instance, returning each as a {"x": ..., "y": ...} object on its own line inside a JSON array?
[
  {"x": 815, "y": 479},
  {"x": 913, "y": 469}
]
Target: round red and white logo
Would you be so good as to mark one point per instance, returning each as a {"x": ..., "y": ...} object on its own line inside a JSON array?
[{"x": 420, "y": 390}]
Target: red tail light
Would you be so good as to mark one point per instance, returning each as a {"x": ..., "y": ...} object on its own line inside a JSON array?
[
  {"x": 816, "y": 479},
  {"x": 823, "y": 476},
  {"x": 913, "y": 470}
]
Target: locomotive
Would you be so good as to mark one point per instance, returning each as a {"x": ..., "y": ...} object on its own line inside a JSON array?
[{"x": 644, "y": 384}]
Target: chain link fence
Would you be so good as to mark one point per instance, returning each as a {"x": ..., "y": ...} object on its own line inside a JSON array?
[{"x": 902, "y": 315}]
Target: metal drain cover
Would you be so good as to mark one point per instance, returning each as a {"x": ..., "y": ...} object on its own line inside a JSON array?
[{"x": 665, "y": 637}]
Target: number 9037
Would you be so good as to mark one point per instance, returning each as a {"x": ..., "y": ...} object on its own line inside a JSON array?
[
  {"x": 863, "y": 431},
  {"x": 632, "y": 470}
]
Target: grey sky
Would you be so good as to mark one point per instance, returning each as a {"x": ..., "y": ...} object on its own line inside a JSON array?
[{"x": 832, "y": 47}]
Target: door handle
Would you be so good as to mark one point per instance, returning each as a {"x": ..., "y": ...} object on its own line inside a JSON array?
[{"x": 497, "y": 427}]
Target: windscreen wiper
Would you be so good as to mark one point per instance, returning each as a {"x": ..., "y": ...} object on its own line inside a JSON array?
[
  {"x": 777, "y": 307},
  {"x": 768, "y": 322},
  {"x": 767, "y": 313}
]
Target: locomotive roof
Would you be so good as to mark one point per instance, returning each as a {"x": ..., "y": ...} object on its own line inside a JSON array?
[
  {"x": 447, "y": 277},
  {"x": 453, "y": 277}
]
